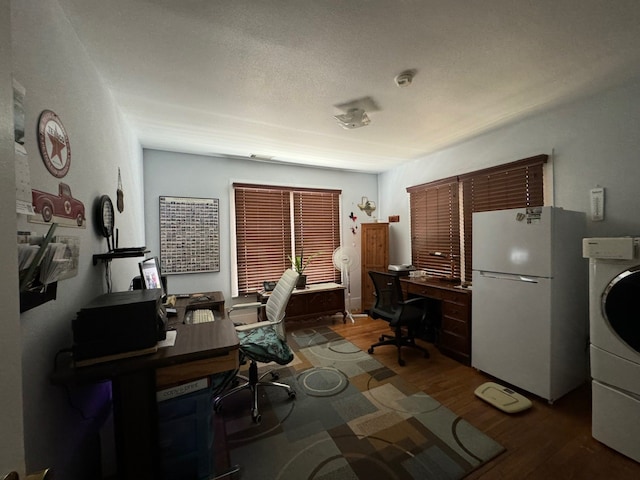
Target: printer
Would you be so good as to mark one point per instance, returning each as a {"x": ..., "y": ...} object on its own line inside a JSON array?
[
  {"x": 401, "y": 270},
  {"x": 119, "y": 322}
]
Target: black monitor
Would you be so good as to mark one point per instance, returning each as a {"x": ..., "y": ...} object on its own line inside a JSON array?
[{"x": 150, "y": 274}]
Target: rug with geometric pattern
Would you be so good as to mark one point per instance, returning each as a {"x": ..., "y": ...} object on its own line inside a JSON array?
[{"x": 352, "y": 418}]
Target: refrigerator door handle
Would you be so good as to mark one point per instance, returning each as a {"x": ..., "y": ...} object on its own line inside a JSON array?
[{"x": 507, "y": 276}]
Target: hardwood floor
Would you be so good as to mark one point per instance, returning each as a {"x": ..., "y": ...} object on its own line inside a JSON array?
[{"x": 545, "y": 442}]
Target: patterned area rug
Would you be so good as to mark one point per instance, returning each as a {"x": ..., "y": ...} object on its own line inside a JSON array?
[{"x": 352, "y": 418}]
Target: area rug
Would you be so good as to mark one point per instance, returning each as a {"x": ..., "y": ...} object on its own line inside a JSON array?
[{"x": 352, "y": 418}]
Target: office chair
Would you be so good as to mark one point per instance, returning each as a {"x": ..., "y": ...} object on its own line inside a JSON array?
[
  {"x": 389, "y": 306},
  {"x": 264, "y": 342}
]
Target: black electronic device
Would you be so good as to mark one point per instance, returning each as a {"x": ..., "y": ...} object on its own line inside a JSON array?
[
  {"x": 117, "y": 323},
  {"x": 151, "y": 275},
  {"x": 269, "y": 286}
]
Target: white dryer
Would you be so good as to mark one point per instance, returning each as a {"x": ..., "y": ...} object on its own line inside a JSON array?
[{"x": 614, "y": 326}]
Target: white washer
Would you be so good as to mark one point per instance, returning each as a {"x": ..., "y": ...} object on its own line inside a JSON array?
[{"x": 614, "y": 325}]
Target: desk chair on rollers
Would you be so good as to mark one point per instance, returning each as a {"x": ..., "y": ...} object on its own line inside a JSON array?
[
  {"x": 264, "y": 342},
  {"x": 389, "y": 306}
]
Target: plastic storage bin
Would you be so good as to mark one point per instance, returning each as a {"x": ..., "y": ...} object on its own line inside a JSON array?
[{"x": 185, "y": 433}]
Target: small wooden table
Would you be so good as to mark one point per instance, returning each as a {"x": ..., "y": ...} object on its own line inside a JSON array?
[
  {"x": 312, "y": 302},
  {"x": 199, "y": 350}
]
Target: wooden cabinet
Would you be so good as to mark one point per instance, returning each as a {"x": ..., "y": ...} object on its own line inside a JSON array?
[
  {"x": 454, "y": 334},
  {"x": 374, "y": 244},
  {"x": 315, "y": 301}
]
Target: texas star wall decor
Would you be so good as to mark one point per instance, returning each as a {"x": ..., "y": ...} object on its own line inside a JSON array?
[{"x": 54, "y": 144}]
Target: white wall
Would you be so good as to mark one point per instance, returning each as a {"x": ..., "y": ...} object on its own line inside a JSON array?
[
  {"x": 594, "y": 141},
  {"x": 54, "y": 68},
  {"x": 176, "y": 174},
  {"x": 12, "y": 438}
]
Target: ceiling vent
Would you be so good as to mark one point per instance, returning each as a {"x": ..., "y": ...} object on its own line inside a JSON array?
[
  {"x": 354, "y": 118},
  {"x": 355, "y": 115}
]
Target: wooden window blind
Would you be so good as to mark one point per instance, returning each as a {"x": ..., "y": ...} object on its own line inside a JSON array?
[
  {"x": 263, "y": 232},
  {"x": 435, "y": 217},
  {"x": 271, "y": 221},
  {"x": 513, "y": 185},
  {"x": 317, "y": 232},
  {"x": 435, "y": 227}
]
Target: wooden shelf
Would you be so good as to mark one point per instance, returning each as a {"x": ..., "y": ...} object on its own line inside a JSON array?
[{"x": 107, "y": 257}]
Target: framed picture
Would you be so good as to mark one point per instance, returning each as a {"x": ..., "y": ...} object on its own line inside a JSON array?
[{"x": 189, "y": 235}]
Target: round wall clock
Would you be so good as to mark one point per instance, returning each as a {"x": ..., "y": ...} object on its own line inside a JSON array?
[
  {"x": 106, "y": 219},
  {"x": 54, "y": 144}
]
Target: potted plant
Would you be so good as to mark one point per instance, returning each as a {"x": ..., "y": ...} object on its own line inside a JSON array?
[{"x": 299, "y": 264}]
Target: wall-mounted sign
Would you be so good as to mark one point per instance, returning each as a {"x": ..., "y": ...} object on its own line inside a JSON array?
[{"x": 54, "y": 144}]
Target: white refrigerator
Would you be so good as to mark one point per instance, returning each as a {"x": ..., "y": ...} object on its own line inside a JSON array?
[{"x": 530, "y": 308}]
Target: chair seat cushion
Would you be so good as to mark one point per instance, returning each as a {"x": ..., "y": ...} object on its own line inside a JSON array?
[{"x": 262, "y": 344}]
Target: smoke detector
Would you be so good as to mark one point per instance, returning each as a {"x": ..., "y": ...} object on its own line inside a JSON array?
[{"x": 405, "y": 78}]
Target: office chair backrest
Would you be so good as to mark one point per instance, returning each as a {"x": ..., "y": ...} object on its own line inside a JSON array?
[
  {"x": 277, "y": 302},
  {"x": 388, "y": 293}
]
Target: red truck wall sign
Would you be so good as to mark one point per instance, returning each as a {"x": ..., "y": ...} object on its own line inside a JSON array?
[{"x": 61, "y": 204}]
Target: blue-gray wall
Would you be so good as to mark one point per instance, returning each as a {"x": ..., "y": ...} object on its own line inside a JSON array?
[
  {"x": 186, "y": 175},
  {"x": 592, "y": 142}
]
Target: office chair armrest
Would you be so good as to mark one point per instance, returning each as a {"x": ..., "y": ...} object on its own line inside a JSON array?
[
  {"x": 240, "y": 306},
  {"x": 251, "y": 326},
  {"x": 411, "y": 301}
]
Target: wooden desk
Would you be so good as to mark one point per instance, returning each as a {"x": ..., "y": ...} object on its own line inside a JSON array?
[
  {"x": 454, "y": 339},
  {"x": 199, "y": 350},
  {"x": 312, "y": 302}
]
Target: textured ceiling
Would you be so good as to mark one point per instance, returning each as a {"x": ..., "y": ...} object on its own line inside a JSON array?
[{"x": 263, "y": 77}]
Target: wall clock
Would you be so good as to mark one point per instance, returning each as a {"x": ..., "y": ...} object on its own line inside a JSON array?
[
  {"x": 106, "y": 218},
  {"x": 54, "y": 144}
]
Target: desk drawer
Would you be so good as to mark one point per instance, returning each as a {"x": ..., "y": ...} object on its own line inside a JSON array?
[
  {"x": 455, "y": 346},
  {"x": 451, "y": 341},
  {"x": 461, "y": 298},
  {"x": 425, "y": 291},
  {"x": 455, "y": 310},
  {"x": 172, "y": 375}
]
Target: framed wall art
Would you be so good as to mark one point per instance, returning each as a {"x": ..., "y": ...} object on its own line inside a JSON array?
[{"x": 189, "y": 235}]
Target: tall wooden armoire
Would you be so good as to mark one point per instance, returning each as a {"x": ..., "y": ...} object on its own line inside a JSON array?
[{"x": 374, "y": 243}]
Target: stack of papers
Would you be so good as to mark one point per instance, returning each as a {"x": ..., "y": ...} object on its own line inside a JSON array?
[
  {"x": 54, "y": 263},
  {"x": 26, "y": 254}
]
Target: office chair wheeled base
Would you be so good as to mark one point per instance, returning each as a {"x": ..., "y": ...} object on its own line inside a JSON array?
[
  {"x": 252, "y": 383},
  {"x": 399, "y": 341}
]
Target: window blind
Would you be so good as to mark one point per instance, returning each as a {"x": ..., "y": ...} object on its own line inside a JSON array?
[
  {"x": 317, "y": 233},
  {"x": 263, "y": 232},
  {"x": 274, "y": 223},
  {"x": 435, "y": 211},
  {"x": 514, "y": 185},
  {"x": 435, "y": 227}
]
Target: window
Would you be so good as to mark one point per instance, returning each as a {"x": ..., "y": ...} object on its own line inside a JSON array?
[
  {"x": 435, "y": 227},
  {"x": 274, "y": 223},
  {"x": 438, "y": 236}
]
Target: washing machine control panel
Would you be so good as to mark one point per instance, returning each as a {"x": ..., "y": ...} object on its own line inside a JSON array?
[{"x": 615, "y": 248}]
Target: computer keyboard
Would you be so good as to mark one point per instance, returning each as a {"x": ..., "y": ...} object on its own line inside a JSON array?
[{"x": 200, "y": 316}]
